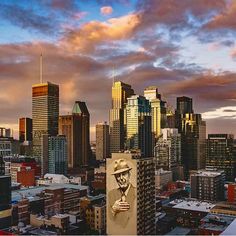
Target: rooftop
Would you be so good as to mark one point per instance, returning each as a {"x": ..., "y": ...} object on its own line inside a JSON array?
[
  {"x": 192, "y": 204},
  {"x": 31, "y": 193},
  {"x": 179, "y": 231},
  {"x": 205, "y": 173}
]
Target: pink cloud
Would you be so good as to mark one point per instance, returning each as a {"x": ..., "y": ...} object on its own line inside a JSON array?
[{"x": 106, "y": 10}]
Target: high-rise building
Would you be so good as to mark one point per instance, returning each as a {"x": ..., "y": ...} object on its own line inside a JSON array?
[
  {"x": 130, "y": 195},
  {"x": 45, "y": 113},
  {"x": 184, "y": 105},
  {"x": 207, "y": 185},
  {"x": 76, "y": 129},
  {"x": 102, "y": 141},
  {"x": 139, "y": 128},
  {"x": 54, "y": 158},
  {"x": 158, "y": 111},
  {"x": 25, "y": 129},
  {"x": 193, "y": 136},
  {"x": 9, "y": 146},
  {"x": 5, "y": 201},
  {"x": 221, "y": 154},
  {"x": 5, "y": 133},
  {"x": 167, "y": 152},
  {"x": 120, "y": 93}
]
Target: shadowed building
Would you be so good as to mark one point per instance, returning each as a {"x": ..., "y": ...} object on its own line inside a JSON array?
[
  {"x": 102, "y": 141},
  {"x": 45, "y": 113},
  {"x": 76, "y": 129},
  {"x": 120, "y": 93},
  {"x": 221, "y": 154}
]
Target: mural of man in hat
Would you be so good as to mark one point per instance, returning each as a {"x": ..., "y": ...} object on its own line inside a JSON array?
[{"x": 121, "y": 200}]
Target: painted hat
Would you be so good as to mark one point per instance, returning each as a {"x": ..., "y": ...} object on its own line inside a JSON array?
[{"x": 120, "y": 166}]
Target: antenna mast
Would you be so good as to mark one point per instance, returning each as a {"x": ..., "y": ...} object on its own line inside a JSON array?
[{"x": 41, "y": 68}]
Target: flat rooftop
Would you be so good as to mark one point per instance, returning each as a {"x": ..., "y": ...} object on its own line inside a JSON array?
[
  {"x": 191, "y": 204},
  {"x": 31, "y": 193},
  {"x": 207, "y": 173},
  {"x": 179, "y": 231},
  {"x": 216, "y": 222}
]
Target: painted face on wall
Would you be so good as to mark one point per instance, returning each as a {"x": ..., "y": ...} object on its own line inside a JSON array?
[{"x": 123, "y": 179}]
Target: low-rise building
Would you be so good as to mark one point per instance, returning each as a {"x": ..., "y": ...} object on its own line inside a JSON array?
[{"x": 162, "y": 178}]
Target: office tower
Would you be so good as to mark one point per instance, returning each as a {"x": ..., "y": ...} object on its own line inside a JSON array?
[
  {"x": 158, "y": 111},
  {"x": 130, "y": 185},
  {"x": 167, "y": 152},
  {"x": 193, "y": 136},
  {"x": 184, "y": 105},
  {"x": 120, "y": 93},
  {"x": 25, "y": 129},
  {"x": 207, "y": 185},
  {"x": 45, "y": 113},
  {"x": 139, "y": 131},
  {"x": 76, "y": 129},
  {"x": 221, "y": 154},
  {"x": 54, "y": 158},
  {"x": 5, "y": 201},
  {"x": 102, "y": 141},
  {"x": 170, "y": 117}
]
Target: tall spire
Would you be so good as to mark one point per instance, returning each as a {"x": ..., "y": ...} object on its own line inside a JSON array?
[{"x": 41, "y": 68}]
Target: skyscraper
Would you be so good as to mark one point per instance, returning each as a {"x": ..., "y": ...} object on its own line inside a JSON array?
[
  {"x": 102, "y": 141},
  {"x": 139, "y": 129},
  {"x": 158, "y": 110},
  {"x": 54, "y": 158},
  {"x": 45, "y": 113},
  {"x": 120, "y": 93},
  {"x": 130, "y": 182},
  {"x": 221, "y": 154},
  {"x": 76, "y": 129},
  {"x": 193, "y": 135},
  {"x": 25, "y": 129}
]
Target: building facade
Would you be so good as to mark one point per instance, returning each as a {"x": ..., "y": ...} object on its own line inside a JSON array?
[
  {"x": 221, "y": 154},
  {"x": 25, "y": 129},
  {"x": 139, "y": 128},
  {"x": 45, "y": 113},
  {"x": 120, "y": 93},
  {"x": 207, "y": 185},
  {"x": 102, "y": 141},
  {"x": 76, "y": 129},
  {"x": 130, "y": 186},
  {"x": 54, "y": 159}
]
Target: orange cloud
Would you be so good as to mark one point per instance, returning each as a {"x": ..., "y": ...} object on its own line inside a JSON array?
[
  {"x": 106, "y": 10},
  {"x": 93, "y": 33}
]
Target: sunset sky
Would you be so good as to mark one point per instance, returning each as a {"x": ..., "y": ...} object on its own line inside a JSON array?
[{"x": 185, "y": 47}]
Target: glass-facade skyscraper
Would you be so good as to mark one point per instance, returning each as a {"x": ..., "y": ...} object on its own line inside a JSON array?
[
  {"x": 45, "y": 113},
  {"x": 120, "y": 93}
]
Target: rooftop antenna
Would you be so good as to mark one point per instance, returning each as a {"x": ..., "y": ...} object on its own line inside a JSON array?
[
  {"x": 41, "y": 68},
  {"x": 113, "y": 74}
]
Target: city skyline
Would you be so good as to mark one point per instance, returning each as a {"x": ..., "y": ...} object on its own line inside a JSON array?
[{"x": 186, "y": 49}]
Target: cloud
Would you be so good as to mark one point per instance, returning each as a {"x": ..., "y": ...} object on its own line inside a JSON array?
[
  {"x": 228, "y": 112},
  {"x": 87, "y": 37},
  {"x": 106, "y": 10},
  {"x": 27, "y": 18}
]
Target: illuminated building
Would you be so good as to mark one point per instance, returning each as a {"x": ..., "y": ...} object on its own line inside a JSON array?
[
  {"x": 45, "y": 113},
  {"x": 25, "y": 129},
  {"x": 139, "y": 131},
  {"x": 158, "y": 110},
  {"x": 193, "y": 136},
  {"x": 221, "y": 154},
  {"x": 102, "y": 141},
  {"x": 120, "y": 93}
]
